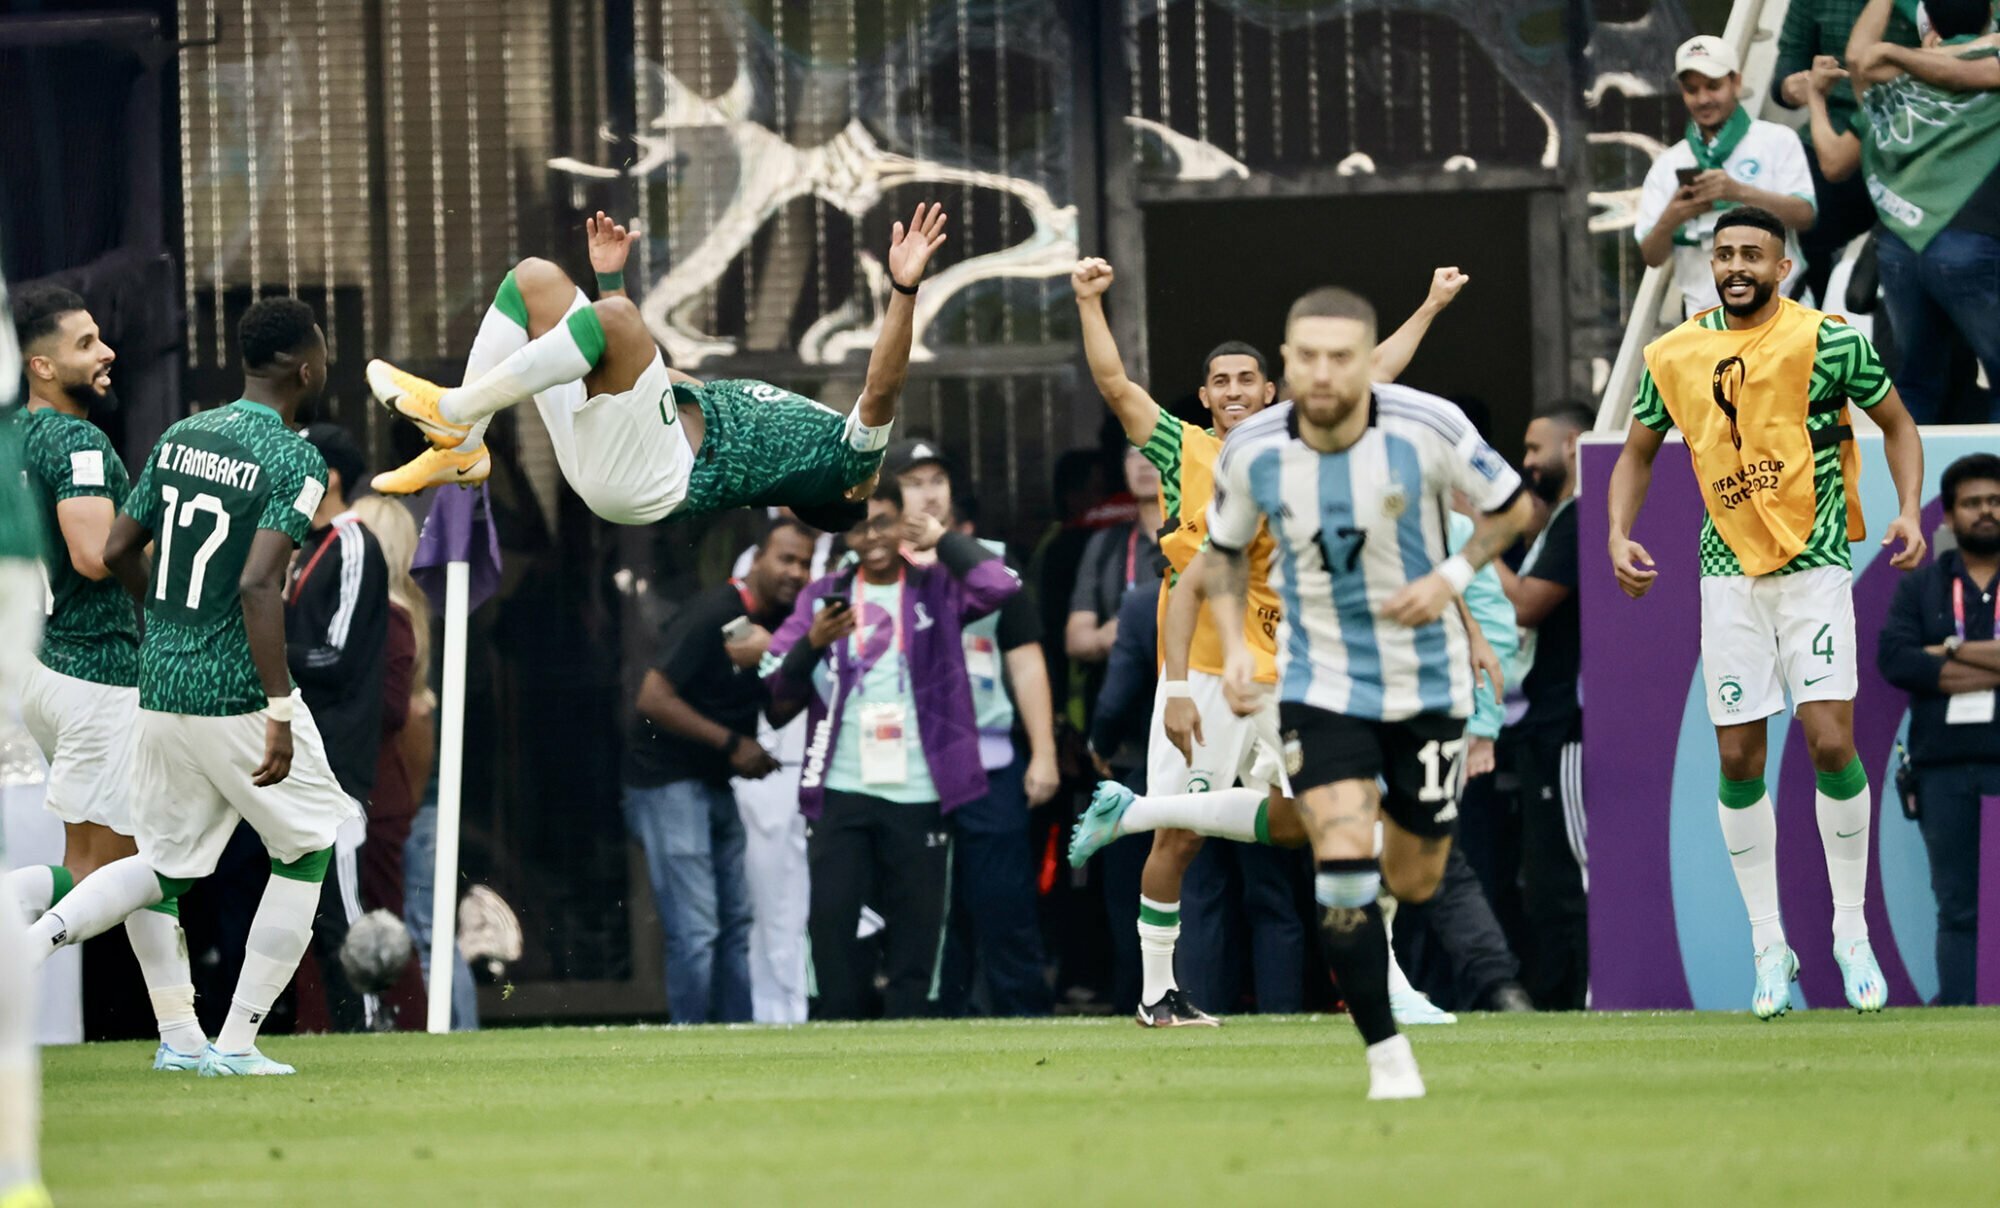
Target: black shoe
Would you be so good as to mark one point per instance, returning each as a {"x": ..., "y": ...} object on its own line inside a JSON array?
[
  {"x": 1175, "y": 1011},
  {"x": 1509, "y": 997}
]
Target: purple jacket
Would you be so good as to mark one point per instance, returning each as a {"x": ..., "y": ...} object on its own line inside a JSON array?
[{"x": 967, "y": 582}]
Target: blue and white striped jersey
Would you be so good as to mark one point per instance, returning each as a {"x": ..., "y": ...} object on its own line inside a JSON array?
[{"x": 1352, "y": 528}]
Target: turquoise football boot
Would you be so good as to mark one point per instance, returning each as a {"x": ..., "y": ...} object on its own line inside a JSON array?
[
  {"x": 1777, "y": 969},
  {"x": 215, "y": 1064},
  {"x": 1867, "y": 990},
  {"x": 1099, "y": 824}
]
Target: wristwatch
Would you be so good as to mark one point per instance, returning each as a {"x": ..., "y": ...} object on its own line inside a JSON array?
[{"x": 1951, "y": 645}]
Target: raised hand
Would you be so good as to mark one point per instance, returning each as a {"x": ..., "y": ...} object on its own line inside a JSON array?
[
  {"x": 911, "y": 247},
  {"x": 610, "y": 243},
  {"x": 1445, "y": 284},
  {"x": 922, "y": 531},
  {"x": 1090, "y": 278}
]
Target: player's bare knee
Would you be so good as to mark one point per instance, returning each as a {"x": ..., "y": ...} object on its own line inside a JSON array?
[
  {"x": 1410, "y": 885},
  {"x": 1176, "y": 848},
  {"x": 1831, "y": 749},
  {"x": 1287, "y": 828},
  {"x": 619, "y": 317}
]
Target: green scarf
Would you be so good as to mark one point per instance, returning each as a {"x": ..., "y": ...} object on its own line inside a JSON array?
[
  {"x": 1710, "y": 158},
  {"x": 1925, "y": 150}
]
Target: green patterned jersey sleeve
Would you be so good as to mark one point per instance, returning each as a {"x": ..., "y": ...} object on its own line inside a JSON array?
[
  {"x": 1163, "y": 448},
  {"x": 142, "y": 502},
  {"x": 75, "y": 461},
  {"x": 1848, "y": 359},
  {"x": 298, "y": 482},
  {"x": 1649, "y": 408}
]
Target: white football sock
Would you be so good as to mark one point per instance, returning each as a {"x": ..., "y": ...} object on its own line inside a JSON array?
[
  {"x": 32, "y": 887},
  {"x": 99, "y": 902},
  {"x": 278, "y": 938},
  {"x": 1223, "y": 814},
  {"x": 548, "y": 360},
  {"x": 498, "y": 338},
  {"x": 1156, "y": 948},
  {"x": 161, "y": 946},
  {"x": 1751, "y": 835},
  {"x": 1843, "y": 833},
  {"x": 20, "y": 1079}
]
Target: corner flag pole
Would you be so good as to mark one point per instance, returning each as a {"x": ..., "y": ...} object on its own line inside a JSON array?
[{"x": 451, "y": 782}]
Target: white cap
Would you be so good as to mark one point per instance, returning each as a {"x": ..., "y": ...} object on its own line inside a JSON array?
[{"x": 1712, "y": 57}]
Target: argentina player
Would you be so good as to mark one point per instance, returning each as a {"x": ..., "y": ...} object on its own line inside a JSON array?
[{"x": 1375, "y": 674}]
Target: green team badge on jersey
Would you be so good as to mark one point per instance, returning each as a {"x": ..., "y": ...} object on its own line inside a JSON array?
[{"x": 1730, "y": 693}]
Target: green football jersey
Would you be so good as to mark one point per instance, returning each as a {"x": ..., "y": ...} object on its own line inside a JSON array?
[
  {"x": 768, "y": 447},
  {"x": 20, "y": 526},
  {"x": 211, "y": 483},
  {"x": 92, "y": 631},
  {"x": 1845, "y": 365}
]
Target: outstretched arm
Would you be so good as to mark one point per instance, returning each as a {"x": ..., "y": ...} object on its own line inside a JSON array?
[
  {"x": 1904, "y": 449},
  {"x": 1137, "y": 413},
  {"x": 910, "y": 250},
  {"x": 1393, "y": 355}
]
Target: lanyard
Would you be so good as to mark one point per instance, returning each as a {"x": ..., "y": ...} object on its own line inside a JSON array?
[
  {"x": 1132, "y": 557},
  {"x": 743, "y": 593},
  {"x": 1958, "y": 607},
  {"x": 895, "y": 619}
]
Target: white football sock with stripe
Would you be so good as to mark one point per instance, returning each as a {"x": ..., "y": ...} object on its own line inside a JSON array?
[
  {"x": 99, "y": 902},
  {"x": 1159, "y": 931},
  {"x": 1751, "y": 835},
  {"x": 161, "y": 946},
  {"x": 1223, "y": 814},
  {"x": 279, "y": 935},
  {"x": 565, "y": 353}
]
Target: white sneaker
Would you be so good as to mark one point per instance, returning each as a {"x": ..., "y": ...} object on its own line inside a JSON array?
[
  {"x": 1392, "y": 1070},
  {"x": 1412, "y": 1008}
]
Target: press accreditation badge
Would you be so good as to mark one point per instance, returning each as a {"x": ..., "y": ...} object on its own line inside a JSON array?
[
  {"x": 1969, "y": 708},
  {"x": 885, "y": 748},
  {"x": 982, "y": 660}
]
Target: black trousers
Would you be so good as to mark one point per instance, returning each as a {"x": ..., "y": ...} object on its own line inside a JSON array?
[
  {"x": 1845, "y": 212},
  {"x": 896, "y": 858},
  {"x": 1452, "y": 946},
  {"x": 1556, "y": 964},
  {"x": 1239, "y": 896},
  {"x": 1949, "y": 801}
]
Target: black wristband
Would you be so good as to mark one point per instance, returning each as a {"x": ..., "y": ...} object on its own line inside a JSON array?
[
  {"x": 900, "y": 288},
  {"x": 729, "y": 748}
]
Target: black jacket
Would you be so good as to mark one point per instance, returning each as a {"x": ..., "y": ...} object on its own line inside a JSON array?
[
  {"x": 336, "y": 640},
  {"x": 1922, "y": 616}
]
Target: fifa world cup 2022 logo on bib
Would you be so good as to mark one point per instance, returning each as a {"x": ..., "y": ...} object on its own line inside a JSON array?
[
  {"x": 1752, "y": 477},
  {"x": 1730, "y": 693}
]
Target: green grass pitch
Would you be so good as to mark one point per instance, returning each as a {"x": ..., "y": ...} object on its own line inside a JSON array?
[{"x": 1696, "y": 1109}]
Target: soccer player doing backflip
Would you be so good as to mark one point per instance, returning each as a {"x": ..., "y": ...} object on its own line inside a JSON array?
[
  {"x": 638, "y": 440},
  {"x": 1759, "y": 388}
]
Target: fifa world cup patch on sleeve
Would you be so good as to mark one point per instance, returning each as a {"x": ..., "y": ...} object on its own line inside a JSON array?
[
  {"x": 86, "y": 468},
  {"x": 309, "y": 496}
]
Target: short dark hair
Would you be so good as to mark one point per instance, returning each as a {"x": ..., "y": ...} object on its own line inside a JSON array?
[
  {"x": 39, "y": 311},
  {"x": 780, "y": 525},
  {"x": 1234, "y": 348},
  {"x": 1570, "y": 413},
  {"x": 1960, "y": 18},
  {"x": 1970, "y": 468},
  {"x": 272, "y": 328},
  {"x": 888, "y": 490},
  {"x": 1332, "y": 302},
  {"x": 342, "y": 456},
  {"x": 1752, "y": 216}
]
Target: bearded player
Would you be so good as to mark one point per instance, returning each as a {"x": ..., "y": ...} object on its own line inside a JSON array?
[
  {"x": 1236, "y": 386},
  {"x": 1759, "y": 388},
  {"x": 640, "y": 441},
  {"x": 80, "y": 698}
]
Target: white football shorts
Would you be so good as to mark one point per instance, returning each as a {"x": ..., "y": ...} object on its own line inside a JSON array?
[{"x": 1765, "y": 636}]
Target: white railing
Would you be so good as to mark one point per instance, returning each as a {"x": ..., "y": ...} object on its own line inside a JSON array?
[{"x": 1753, "y": 31}]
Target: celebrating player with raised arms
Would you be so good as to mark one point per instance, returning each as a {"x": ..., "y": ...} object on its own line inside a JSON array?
[
  {"x": 224, "y": 498},
  {"x": 1759, "y": 387},
  {"x": 1353, "y": 482},
  {"x": 640, "y": 441},
  {"x": 1201, "y": 779}
]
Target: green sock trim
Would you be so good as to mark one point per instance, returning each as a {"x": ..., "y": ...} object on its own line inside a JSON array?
[
  {"x": 609, "y": 282},
  {"x": 1264, "y": 822},
  {"x": 64, "y": 882},
  {"x": 310, "y": 867},
  {"x": 588, "y": 334},
  {"x": 509, "y": 302},
  {"x": 171, "y": 907},
  {"x": 172, "y": 888},
  {"x": 1846, "y": 784},
  {"x": 1158, "y": 918},
  {"x": 1741, "y": 794}
]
